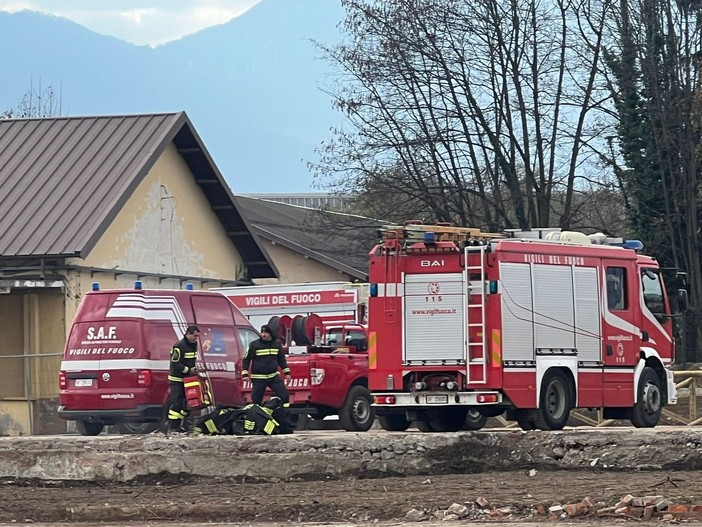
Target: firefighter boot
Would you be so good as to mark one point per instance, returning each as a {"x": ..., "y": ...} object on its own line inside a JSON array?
[
  {"x": 184, "y": 427},
  {"x": 175, "y": 426},
  {"x": 175, "y": 419}
]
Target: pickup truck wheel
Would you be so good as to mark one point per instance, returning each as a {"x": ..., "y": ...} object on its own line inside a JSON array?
[
  {"x": 525, "y": 420},
  {"x": 86, "y": 428},
  {"x": 474, "y": 420},
  {"x": 393, "y": 422},
  {"x": 137, "y": 428},
  {"x": 357, "y": 414}
]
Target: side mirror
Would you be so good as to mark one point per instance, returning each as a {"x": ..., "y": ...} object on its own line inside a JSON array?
[
  {"x": 681, "y": 279},
  {"x": 683, "y": 300}
]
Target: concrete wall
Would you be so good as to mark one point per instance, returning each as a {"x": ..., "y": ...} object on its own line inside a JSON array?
[{"x": 296, "y": 268}]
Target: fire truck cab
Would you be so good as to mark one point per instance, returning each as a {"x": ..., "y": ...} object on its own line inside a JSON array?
[{"x": 466, "y": 325}]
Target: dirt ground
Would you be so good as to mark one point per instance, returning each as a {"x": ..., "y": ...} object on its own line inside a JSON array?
[{"x": 184, "y": 499}]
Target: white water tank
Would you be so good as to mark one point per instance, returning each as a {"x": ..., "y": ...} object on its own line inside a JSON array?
[{"x": 569, "y": 237}]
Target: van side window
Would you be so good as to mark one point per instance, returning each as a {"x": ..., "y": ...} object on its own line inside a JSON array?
[
  {"x": 246, "y": 337},
  {"x": 212, "y": 310},
  {"x": 616, "y": 289}
]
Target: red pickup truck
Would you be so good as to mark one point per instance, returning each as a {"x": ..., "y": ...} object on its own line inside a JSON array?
[{"x": 328, "y": 370}]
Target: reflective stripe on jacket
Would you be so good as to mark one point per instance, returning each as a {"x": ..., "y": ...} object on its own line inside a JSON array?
[
  {"x": 263, "y": 358},
  {"x": 183, "y": 357}
]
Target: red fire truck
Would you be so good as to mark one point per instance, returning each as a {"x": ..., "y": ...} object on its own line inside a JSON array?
[
  {"x": 466, "y": 325},
  {"x": 320, "y": 325}
]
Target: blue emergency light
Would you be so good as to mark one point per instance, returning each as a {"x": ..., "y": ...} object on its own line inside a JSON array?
[
  {"x": 96, "y": 286},
  {"x": 634, "y": 245},
  {"x": 430, "y": 237},
  {"x": 137, "y": 284},
  {"x": 189, "y": 287}
]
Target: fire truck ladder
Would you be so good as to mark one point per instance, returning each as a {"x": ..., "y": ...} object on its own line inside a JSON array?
[
  {"x": 416, "y": 232},
  {"x": 476, "y": 349}
]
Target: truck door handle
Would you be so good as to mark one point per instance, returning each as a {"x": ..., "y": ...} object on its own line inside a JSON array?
[{"x": 609, "y": 349}]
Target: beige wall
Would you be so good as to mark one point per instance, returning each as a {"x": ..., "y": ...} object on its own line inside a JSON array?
[
  {"x": 167, "y": 226},
  {"x": 295, "y": 268},
  {"x": 33, "y": 327},
  {"x": 12, "y": 316}
]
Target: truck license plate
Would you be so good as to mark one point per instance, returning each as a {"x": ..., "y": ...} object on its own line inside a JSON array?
[
  {"x": 437, "y": 399},
  {"x": 84, "y": 382}
]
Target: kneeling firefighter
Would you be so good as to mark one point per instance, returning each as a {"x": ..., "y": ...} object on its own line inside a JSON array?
[{"x": 264, "y": 357}]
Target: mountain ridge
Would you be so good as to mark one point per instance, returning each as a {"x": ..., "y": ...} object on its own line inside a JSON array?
[{"x": 250, "y": 86}]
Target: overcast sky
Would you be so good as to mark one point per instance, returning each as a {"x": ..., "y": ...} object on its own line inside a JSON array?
[{"x": 139, "y": 21}]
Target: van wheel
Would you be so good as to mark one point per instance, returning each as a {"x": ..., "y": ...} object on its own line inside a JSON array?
[
  {"x": 86, "y": 428},
  {"x": 137, "y": 428},
  {"x": 474, "y": 420},
  {"x": 554, "y": 402},
  {"x": 649, "y": 401},
  {"x": 357, "y": 415},
  {"x": 393, "y": 422}
]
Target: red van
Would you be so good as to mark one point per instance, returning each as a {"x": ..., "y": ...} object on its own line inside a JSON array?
[{"x": 115, "y": 365}]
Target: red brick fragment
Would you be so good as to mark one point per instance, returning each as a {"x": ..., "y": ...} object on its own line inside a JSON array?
[{"x": 589, "y": 501}]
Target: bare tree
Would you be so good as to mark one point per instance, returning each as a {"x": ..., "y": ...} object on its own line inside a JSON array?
[
  {"x": 655, "y": 71},
  {"x": 480, "y": 113},
  {"x": 36, "y": 102}
]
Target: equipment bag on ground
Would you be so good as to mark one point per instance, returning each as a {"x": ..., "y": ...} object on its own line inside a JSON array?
[
  {"x": 220, "y": 421},
  {"x": 268, "y": 419}
]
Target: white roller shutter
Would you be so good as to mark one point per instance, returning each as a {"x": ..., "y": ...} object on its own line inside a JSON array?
[
  {"x": 587, "y": 314},
  {"x": 554, "y": 317},
  {"x": 433, "y": 318},
  {"x": 517, "y": 312}
]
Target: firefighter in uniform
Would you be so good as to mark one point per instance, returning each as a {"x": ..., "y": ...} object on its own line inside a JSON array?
[
  {"x": 264, "y": 356},
  {"x": 183, "y": 356}
]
